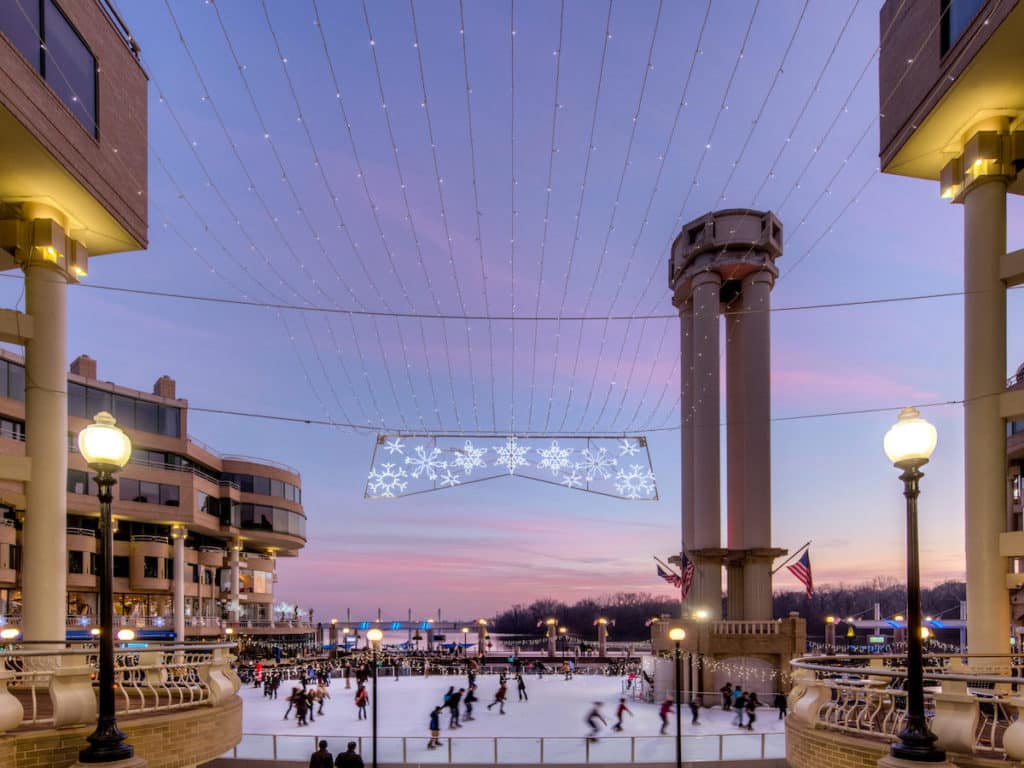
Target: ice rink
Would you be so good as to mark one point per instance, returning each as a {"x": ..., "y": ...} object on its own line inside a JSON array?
[{"x": 554, "y": 715}]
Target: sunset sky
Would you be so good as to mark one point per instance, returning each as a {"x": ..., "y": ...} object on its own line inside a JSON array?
[{"x": 811, "y": 157}]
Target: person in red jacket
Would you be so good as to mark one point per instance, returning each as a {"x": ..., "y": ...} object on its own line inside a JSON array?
[{"x": 665, "y": 711}]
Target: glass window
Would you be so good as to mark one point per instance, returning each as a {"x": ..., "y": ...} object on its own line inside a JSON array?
[
  {"x": 94, "y": 564},
  {"x": 289, "y": 492},
  {"x": 76, "y": 400},
  {"x": 169, "y": 495},
  {"x": 129, "y": 489},
  {"x": 150, "y": 566},
  {"x": 147, "y": 416},
  {"x": 4, "y": 375},
  {"x": 207, "y": 577},
  {"x": 124, "y": 411},
  {"x": 168, "y": 568},
  {"x": 194, "y": 568},
  {"x": 246, "y": 513},
  {"x": 281, "y": 520},
  {"x": 170, "y": 421},
  {"x": 245, "y": 483},
  {"x": 20, "y": 22},
  {"x": 277, "y": 488},
  {"x": 121, "y": 566},
  {"x": 16, "y": 382},
  {"x": 203, "y": 502},
  {"x": 97, "y": 400},
  {"x": 149, "y": 492},
  {"x": 69, "y": 66},
  {"x": 264, "y": 517},
  {"x": 78, "y": 481},
  {"x": 75, "y": 561},
  {"x": 957, "y": 15},
  {"x": 12, "y": 430},
  {"x": 261, "y": 485}
]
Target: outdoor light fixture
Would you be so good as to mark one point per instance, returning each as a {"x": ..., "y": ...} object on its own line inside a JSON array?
[
  {"x": 106, "y": 449},
  {"x": 374, "y": 636},
  {"x": 676, "y": 635},
  {"x": 126, "y": 635},
  {"x": 830, "y": 619},
  {"x": 909, "y": 444},
  {"x": 95, "y": 631},
  {"x": 701, "y": 614},
  {"x": 9, "y": 633}
]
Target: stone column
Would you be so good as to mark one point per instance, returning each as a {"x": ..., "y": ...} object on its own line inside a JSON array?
[
  {"x": 988, "y": 610},
  {"x": 706, "y": 440},
  {"x": 234, "y": 608},
  {"x": 602, "y": 638},
  {"x": 552, "y": 639},
  {"x": 178, "y": 533},
  {"x": 686, "y": 402},
  {"x": 737, "y": 380},
  {"x": 44, "y": 544},
  {"x": 734, "y": 570},
  {"x": 481, "y": 640},
  {"x": 755, "y": 443}
]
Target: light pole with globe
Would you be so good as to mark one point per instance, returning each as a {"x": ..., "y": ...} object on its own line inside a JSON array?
[
  {"x": 676, "y": 635},
  {"x": 909, "y": 444},
  {"x": 374, "y": 636},
  {"x": 106, "y": 449}
]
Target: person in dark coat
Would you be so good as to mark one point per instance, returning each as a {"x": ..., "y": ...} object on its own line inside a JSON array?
[
  {"x": 468, "y": 701},
  {"x": 349, "y": 758},
  {"x": 782, "y": 704},
  {"x": 435, "y": 728},
  {"x": 454, "y": 701},
  {"x": 321, "y": 758},
  {"x": 726, "y": 691}
]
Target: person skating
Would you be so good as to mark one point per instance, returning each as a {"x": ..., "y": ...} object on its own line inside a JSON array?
[
  {"x": 782, "y": 704},
  {"x": 321, "y": 758},
  {"x": 593, "y": 718},
  {"x": 294, "y": 697},
  {"x": 740, "y": 705},
  {"x": 621, "y": 710},
  {"x": 349, "y": 758},
  {"x": 752, "y": 704},
  {"x": 310, "y": 695},
  {"x": 499, "y": 697},
  {"x": 321, "y": 694},
  {"x": 301, "y": 708},
  {"x": 521, "y": 685},
  {"x": 453, "y": 706},
  {"x": 664, "y": 711},
  {"x": 468, "y": 701},
  {"x": 726, "y": 691},
  {"x": 435, "y": 728},
  {"x": 361, "y": 699},
  {"x": 695, "y": 710}
]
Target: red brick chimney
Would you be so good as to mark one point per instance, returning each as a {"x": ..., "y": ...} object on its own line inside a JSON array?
[
  {"x": 164, "y": 387},
  {"x": 84, "y": 366}
]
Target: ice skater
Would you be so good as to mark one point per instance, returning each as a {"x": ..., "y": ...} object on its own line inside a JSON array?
[
  {"x": 782, "y": 704},
  {"x": 468, "y": 701},
  {"x": 361, "y": 699},
  {"x": 499, "y": 697},
  {"x": 521, "y": 685},
  {"x": 435, "y": 728},
  {"x": 621, "y": 710},
  {"x": 664, "y": 711},
  {"x": 453, "y": 707},
  {"x": 752, "y": 704},
  {"x": 593, "y": 718},
  {"x": 740, "y": 705},
  {"x": 695, "y": 710}
]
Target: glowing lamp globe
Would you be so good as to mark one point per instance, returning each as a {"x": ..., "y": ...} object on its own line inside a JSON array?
[
  {"x": 103, "y": 445},
  {"x": 374, "y": 635},
  {"x": 701, "y": 614},
  {"x": 676, "y": 634},
  {"x": 125, "y": 635},
  {"x": 9, "y": 633},
  {"x": 910, "y": 441},
  {"x": 925, "y": 633},
  {"x": 465, "y": 630}
]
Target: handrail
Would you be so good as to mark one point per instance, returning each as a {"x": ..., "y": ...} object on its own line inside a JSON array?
[
  {"x": 81, "y": 532},
  {"x": 802, "y": 663},
  {"x": 257, "y": 460},
  {"x": 150, "y": 538},
  {"x": 121, "y": 27}
]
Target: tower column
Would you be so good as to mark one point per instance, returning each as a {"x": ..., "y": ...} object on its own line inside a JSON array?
[
  {"x": 233, "y": 608},
  {"x": 706, "y": 440},
  {"x": 755, "y": 442},
  {"x": 736, "y": 383},
  {"x": 988, "y": 613},
  {"x": 44, "y": 544},
  {"x": 178, "y": 534},
  {"x": 686, "y": 431}
]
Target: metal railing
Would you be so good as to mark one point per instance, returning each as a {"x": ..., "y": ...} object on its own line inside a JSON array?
[
  {"x": 522, "y": 750},
  {"x": 745, "y": 627},
  {"x": 257, "y": 460}
]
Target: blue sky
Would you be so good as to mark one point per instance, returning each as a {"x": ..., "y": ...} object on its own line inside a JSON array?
[{"x": 324, "y": 232}]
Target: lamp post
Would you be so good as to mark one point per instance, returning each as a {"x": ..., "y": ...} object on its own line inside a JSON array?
[
  {"x": 106, "y": 450},
  {"x": 465, "y": 641},
  {"x": 676, "y": 635},
  {"x": 374, "y": 636},
  {"x": 562, "y": 637},
  {"x": 909, "y": 445}
]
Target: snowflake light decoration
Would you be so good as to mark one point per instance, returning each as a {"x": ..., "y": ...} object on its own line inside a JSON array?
[
  {"x": 395, "y": 446},
  {"x": 554, "y": 458},
  {"x": 511, "y": 455},
  {"x": 387, "y": 481},
  {"x": 424, "y": 462},
  {"x": 448, "y": 480},
  {"x": 635, "y": 483},
  {"x": 572, "y": 480},
  {"x": 628, "y": 448},
  {"x": 596, "y": 463},
  {"x": 468, "y": 457}
]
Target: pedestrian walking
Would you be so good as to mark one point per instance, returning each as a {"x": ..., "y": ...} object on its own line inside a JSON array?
[
  {"x": 521, "y": 685},
  {"x": 321, "y": 758},
  {"x": 362, "y": 698},
  {"x": 781, "y": 703},
  {"x": 621, "y": 710},
  {"x": 499, "y": 697},
  {"x": 435, "y": 728},
  {"x": 664, "y": 711},
  {"x": 349, "y": 758},
  {"x": 468, "y": 701},
  {"x": 593, "y": 718}
]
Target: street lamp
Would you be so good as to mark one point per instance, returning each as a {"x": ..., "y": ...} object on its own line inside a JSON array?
[
  {"x": 561, "y": 635},
  {"x": 106, "y": 449},
  {"x": 465, "y": 641},
  {"x": 909, "y": 444},
  {"x": 374, "y": 636},
  {"x": 676, "y": 635}
]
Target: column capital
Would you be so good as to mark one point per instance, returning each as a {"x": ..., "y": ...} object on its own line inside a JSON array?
[
  {"x": 179, "y": 532},
  {"x": 761, "y": 276},
  {"x": 986, "y": 156},
  {"x": 705, "y": 277}
]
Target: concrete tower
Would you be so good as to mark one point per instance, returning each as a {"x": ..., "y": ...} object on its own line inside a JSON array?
[{"x": 724, "y": 264}]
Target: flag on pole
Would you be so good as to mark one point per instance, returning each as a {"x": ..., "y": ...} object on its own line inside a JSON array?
[
  {"x": 802, "y": 570},
  {"x": 687, "y": 580},
  {"x": 670, "y": 577}
]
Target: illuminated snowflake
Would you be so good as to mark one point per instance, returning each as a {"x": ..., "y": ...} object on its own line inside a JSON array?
[
  {"x": 628, "y": 448},
  {"x": 395, "y": 446},
  {"x": 596, "y": 464},
  {"x": 468, "y": 457},
  {"x": 511, "y": 455},
  {"x": 423, "y": 462},
  {"x": 572, "y": 480},
  {"x": 448, "y": 480},
  {"x": 635, "y": 483},
  {"x": 387, "y": 481},
  {"x": 554, "y": 458}
]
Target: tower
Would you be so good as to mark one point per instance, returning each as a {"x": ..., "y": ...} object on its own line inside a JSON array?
[{"x": 723, "y": 264}]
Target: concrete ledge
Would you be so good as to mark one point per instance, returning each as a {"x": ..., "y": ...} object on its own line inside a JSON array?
[{"x": 243, "y": 763}]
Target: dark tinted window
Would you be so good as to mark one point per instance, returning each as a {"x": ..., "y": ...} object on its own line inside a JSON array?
[
  {"x": 129, "y": 489},
  {"x": 69, "y": 66},
  {"x": 121, "y": 566},
  {"x": 94, "y": 564},
  {"x": 170, "y": 421},
  {"x": 12, "y": 430},
  {"x": 124, "y": 411},
  {"x": 245, "y": 483},
  {"x": 277, "y": 488},
  {"x": 4, "y": 374},
  {"x": 169, "y": 495},
  {"x": 19, "y": 20},
  {"x": 97, "y": 400},
  {"x": 149, "y": 492},
  {"x": 75, "y": 561},
  {"x": 168, "y": 569},
  {"x": 147, "y": 416},
  {"x": 261, "y": 485},
  {"x": 76, "y": 401},
  {"x": 151, "y": 567},
  {"x": 956, "y": 17},
  {"x": 16, "y": 382},
  {"x": 194, "y": 568}
]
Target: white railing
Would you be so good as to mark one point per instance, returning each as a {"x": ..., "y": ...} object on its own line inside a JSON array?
[
  {"x": 973, "y": 703},
  {"x": 56, "y": 688},
  {"x": 513, "y": 750},
  {"x": 745, "y": 627},
  {"x": 82, "y": 532}
]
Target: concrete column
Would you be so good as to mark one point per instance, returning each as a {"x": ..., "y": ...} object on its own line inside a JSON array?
[
  {"x": 602, "y": 639},
  {"x": 552, "y": 640},
  {"x": 481, "y": 640},
  {"x": 706, "y": 440},
  {"x": 988, "y": 609},
  {"x": 734, "y": 588},
  {"x": 737, "y": 380},
  {"x": 178, "y": 533},
  {"x": 686, "y": 403},
  {"x": 44, "y": 545},
  {"x": 233, "y": 609},
  {"x": 757, "y": 585}
]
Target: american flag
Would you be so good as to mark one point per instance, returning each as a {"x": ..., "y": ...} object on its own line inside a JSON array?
[
  {"x": 802, "y": 570},
  {"x": 671, "y": 578},
  {"x": 687, "y": 580}
]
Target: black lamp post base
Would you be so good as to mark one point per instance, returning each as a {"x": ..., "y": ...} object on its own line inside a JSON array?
[
  {"x": 935, "y": 757},
  {"x": 106, "y": 745},
  {"x": 120, "y": 762},
  {"x": 918, "y": 754}
]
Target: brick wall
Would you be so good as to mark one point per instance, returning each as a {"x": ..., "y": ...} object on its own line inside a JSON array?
[{"x": 175, "y": 740}]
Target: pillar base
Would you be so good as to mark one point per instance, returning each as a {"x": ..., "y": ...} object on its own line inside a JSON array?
[
  {"x": 131, "y": 762},
  {"x": 895, "y": 762}
]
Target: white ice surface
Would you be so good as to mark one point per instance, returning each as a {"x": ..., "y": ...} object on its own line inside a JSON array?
[{"x": 555, "y": 711}]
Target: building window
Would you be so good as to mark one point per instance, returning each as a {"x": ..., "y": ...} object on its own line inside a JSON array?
[
  {"x": 94, "y": 564},
  {"x": 150, "y": 567},
  {"x": 12, "y": 430},
  {"x": 957, "y": 15},
  {"x": 146, "y": 492},
  {"x": 168, "y": 568},
  {"x": 75, "y": 561},
  {"x": 122, "y": 566},
  {"x": 194, "y": 568}
]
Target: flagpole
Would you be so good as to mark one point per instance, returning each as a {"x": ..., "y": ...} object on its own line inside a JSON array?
[
  {"x": 665, "y": 565},
  {"x": 792, "y": 557}
]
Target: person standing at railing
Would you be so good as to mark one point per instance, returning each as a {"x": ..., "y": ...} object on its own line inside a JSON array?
[
  {"x": 726, "y": 691},
  {"x": 349, "y": 758},
  {"x": 321, "y": 758}
]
